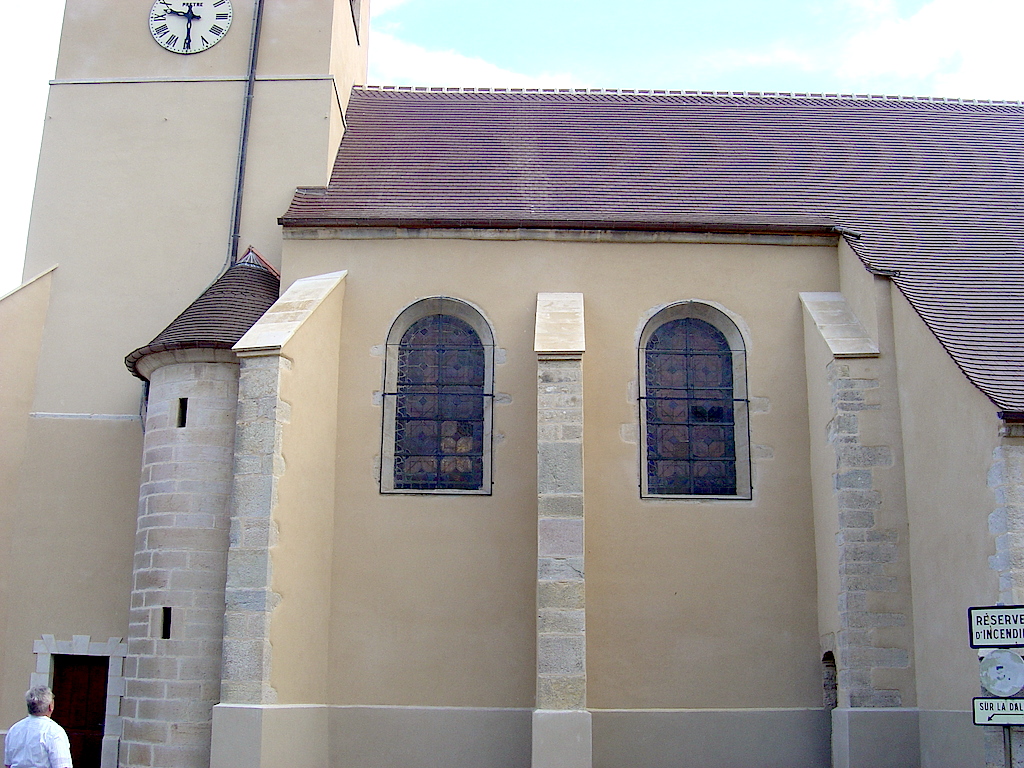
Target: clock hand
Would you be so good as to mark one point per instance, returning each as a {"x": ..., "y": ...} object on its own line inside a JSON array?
[{"x": 188, "y": 14}]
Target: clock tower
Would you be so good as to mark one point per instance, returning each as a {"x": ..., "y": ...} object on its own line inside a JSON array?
[
  {"x": 138, "y": 192},
  {"x": 175, "y": 135}
]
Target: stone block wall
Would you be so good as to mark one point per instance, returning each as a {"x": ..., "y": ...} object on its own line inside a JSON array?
[
  {"x": 259, "y": 464},
  {"x": 867, "y": 549},
  {"x": 1006, "y": 523},
  {"x": 172, "y": 671},
  {"x": 562, "y": 731},
  {"x": 561, "y": 622}
]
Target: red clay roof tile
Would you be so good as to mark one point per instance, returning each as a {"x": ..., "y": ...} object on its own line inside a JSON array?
[
  {"x": 934, "y": 188},
  {"x": 221, "y": 315}
]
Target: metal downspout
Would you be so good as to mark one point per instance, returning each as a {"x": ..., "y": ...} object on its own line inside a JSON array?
[{"x": 243, "y": 143}]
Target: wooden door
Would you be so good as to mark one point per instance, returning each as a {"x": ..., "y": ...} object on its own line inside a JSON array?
[{"x": 80, "y": 704}]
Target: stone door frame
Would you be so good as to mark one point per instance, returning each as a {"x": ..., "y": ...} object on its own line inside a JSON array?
[{"x": 82, "y": 645}]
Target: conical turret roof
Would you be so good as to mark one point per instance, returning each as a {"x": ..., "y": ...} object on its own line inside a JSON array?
[{"x": 222, "y": 314}]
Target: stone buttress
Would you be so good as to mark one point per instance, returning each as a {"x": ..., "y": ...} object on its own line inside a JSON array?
[
  {"x": 173, "y": 669},
  {"x": 865, "y": 609},
  {"x": 562, "y": 727}
]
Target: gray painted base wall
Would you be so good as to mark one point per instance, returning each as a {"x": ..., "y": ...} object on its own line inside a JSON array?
[
  {"x": 438, "y": 737},
  {"x": 951, "y": 740},
  {"x": 316, "y": 736},
  {"x": 430, "y": 737},
  {"x": 268, "y": 736},
  {"x": 562, "y": 739},
  {"x": 876, "y": 738},
  {"x": 711, "y": 738}
]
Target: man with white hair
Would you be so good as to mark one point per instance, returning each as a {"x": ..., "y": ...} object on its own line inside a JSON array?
[{"x": 37, "y": 741}]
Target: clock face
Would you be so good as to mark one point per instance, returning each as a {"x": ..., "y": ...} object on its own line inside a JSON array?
[{"x": 189, "y": 27}]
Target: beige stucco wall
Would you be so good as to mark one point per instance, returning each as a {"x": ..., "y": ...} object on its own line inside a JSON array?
[
  {"x": 820, "y": 411},
  {"x": 950, "y": 430},
  {"x": 71, "y": 540},
  {"x": 690, "y": 604},
  {"x": 133, "y": 199},
  {"x": 67, "y": 509},
  {"x": 137, "y": 173},
  {"x": 112, "y": 192},
  {"x": 858, "y": 287},
  {"x": 165, "y": 173},
  {"x": 21, "y": 321},
  {"x": 301, "y": 562}
]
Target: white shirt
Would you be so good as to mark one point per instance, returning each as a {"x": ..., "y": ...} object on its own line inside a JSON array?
[{"x": 37, "y": 742}]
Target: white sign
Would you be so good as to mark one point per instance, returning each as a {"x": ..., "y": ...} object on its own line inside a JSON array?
[
  {"x": 1000, "y": 626},
  {"x": 998, "y": 711}
]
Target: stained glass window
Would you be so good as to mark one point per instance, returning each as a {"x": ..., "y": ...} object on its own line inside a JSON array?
[
  {"x": 689, "y": 410},
  {"x": 439, "y": 425}
]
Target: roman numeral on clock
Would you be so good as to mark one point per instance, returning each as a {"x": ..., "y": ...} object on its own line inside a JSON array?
[{"x": 205, "y": 30}]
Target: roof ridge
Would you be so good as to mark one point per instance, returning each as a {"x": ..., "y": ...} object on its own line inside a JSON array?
[{"x": 677, "y": 92}]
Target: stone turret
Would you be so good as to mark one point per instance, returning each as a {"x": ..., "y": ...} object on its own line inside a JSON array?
[{"x": 173, "y": 669}]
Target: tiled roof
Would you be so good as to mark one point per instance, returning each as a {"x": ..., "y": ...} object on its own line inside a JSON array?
[
  {"x": 928, "y": 191},
  {"x": 222, "y": 314}
]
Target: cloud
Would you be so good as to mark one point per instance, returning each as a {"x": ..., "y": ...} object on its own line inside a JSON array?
[
  {"x": 28, "y": 67},
  {"x": 396, "y": 62},
  {"x": 943, "y": 48},
  {"x": 778, "y": 55},
  {"x": 952, "y": 48}
]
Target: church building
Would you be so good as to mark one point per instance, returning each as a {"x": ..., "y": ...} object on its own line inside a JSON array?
[{"x": 381, "y": 427}]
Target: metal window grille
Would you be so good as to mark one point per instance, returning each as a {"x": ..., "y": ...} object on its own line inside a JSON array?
[
  {"x": 439, "y": 406},
  {"x": 689, "y": 409}
]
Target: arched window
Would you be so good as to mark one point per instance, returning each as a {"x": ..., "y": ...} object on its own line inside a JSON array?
[
  {"x": 693, "y": 404},
  {"x": 437, "y": 400}
]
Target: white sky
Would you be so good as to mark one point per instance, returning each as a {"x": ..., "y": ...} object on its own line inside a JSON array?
[{"x": 907, "y": 47}]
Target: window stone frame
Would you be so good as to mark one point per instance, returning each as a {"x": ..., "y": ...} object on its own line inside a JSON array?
[
  {"x": 472, "y": 316},
  {"x": 729, "y": 326}
]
